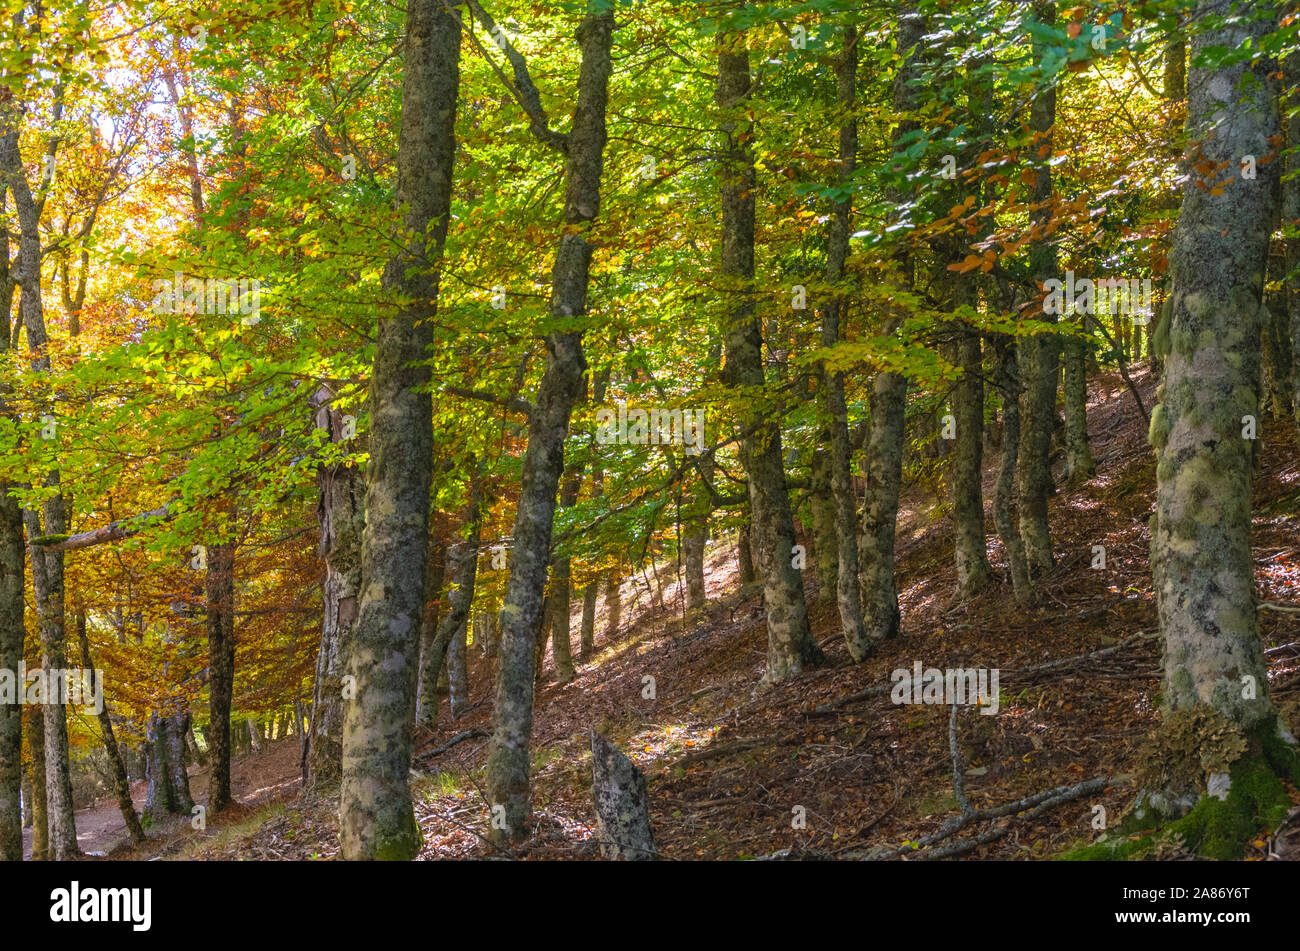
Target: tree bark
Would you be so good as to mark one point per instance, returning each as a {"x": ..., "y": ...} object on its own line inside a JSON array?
[
  {"x": 121, "y": 784},
  {"x": 1008, "y": 383},
  {"x": 376, "y": 819},
  {"x": 1201, "y": 532},
  {"x": 848, "y": 586},
  {"x": 220, "y": 609},
  {"x": 884, "y": 468},
  {"x": 790, "y": 646},
  {"x": 512, "y": 715},
  {"x": 1039, "y": 354},
  {"x": 35, "y": 724},
  {"x": 341, "y": 517}
]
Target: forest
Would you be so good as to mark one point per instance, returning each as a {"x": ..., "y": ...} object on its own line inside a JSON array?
[{"x": 579, "y": 430}]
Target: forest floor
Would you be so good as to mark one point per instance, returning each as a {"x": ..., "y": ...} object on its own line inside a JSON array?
[{"x": 728, "y": 767}]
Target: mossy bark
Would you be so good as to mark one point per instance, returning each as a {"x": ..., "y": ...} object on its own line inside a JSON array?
[
  {"x": 1039, "y": 354},
  {"x": 376, "y": 818},
  {"x": 507, "y": 780},
  {"x": 790, "y": 646},
  {"x": 1200, "y": 534}
]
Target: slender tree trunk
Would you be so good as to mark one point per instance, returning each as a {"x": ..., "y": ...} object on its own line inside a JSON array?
[
  {"x": 1079, "y": 466},
  {"x": 848, "y": 586},
  {"x": 342, "y": 518},
  {"x": 613, "y": 604},
  {"x": 745, "y": 556},
  {"x": 429, "y": 689},
  {"x": 589, "y": 619},
  {"x": 889, "y": 397},
  {"x": 821, "y": 501},
  {"x": 121, "y": 784},
  {"x": 376, "y": 819},
  {"x": 220, "y": 605},
  {"x": 971, "y": 553},
  {"x": 790, "y": 646},
  {"x": 1039, "y": 363},
  {"x": 35, "y": 723},
  {"x": 512, "y": 715},
  {"x": 561, "y": 586},
  {"x": 12, "y": 635},
  {"x": 1201, "y": 533},
  {"x": 1008, "y": 383},
  {"x": 458, "y": 680}
]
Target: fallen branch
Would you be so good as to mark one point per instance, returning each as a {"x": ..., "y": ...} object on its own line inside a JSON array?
[{"x": 458, "y": 738}]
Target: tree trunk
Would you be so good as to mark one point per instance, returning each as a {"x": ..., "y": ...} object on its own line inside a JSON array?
[
  {"x": 220, "y": 609},
  {"x": 457, "y": 677},
  {"x": 1039, "y": 361},
  {"x": 790, "y": 646},
  {"x": 1201, "y": 532},
  {"x": 745, "y": 556},
  {"x": 512, "y": 715},
  {"x": 121, "y": 784},
  {"x": 35, "y": 730},
  {"x": 821, "y": 500},
  {"x": 12, "y": 634},
  {"x": 376, "y": 819},
  {"x": 613, "y": 604},
  {"x": 848, "y": 586},
  {"x": 884, "y": 469},
  {"x": 47, "y": 584},
  {"x": 588, "y": 643},
  {"x": 429, "y": 689},
  {"x": 1079, "y": 466},
  {"x": 971, "y": 554},
  {"x": 1008, "y": 383}
]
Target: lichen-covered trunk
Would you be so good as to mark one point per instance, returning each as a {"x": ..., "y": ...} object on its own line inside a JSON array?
[
  {"x": 512, "y": 715},
  {"x": 1039, "y": 354},
  {"x": 790, "y": 646},
  {"x": 341, "y": 516},
  {"x": 168, "y": 788},
  {"x": 1007, "y": 380},
  {"x": 971, "y": 553},
  {"x": 821, "y": 500},
  {"x": 457, "y": 677},
  {"x": 1200, "y": 536},
  {"x": 12, "y": 634},
  {"x": 1079, "y": 466},
  {"x": 376, "y": 819},
  {"x": 1201, "y": 540},
  {"x": 588, "y": 642},
  {"x": 47, "y": 569},
  {"x": 121, "y": 784},
  {"x": 618, "y": 791},
  {"x": 880, "y": 516},
  {"x": 34, "y": 727},
  {"x": 884, "y": 455},
  {"x": 219, "y": 596},
  {"x": 848, "y": 586},
  {"x": 693, "y": 543},
  {"x": 47, "y": 585}
]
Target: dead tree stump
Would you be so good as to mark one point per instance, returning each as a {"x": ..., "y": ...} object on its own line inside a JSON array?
[{"x": 622, "y": 814}]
